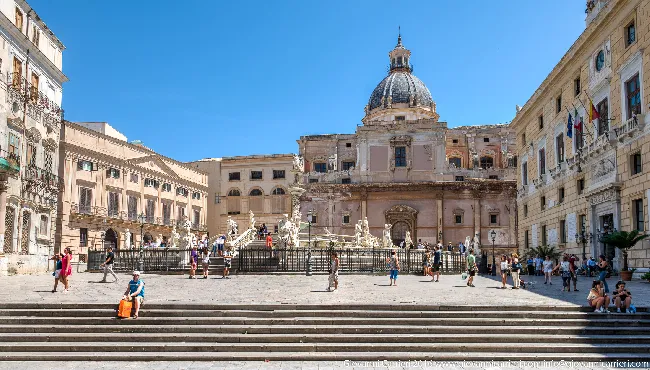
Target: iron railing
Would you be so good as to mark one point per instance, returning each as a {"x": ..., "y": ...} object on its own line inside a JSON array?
[
  {"x": 129, "y": 216},
  {"x": 10, "y": 160}
]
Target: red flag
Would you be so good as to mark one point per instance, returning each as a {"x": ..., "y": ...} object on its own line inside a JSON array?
[{"x": 593, "y": 114}]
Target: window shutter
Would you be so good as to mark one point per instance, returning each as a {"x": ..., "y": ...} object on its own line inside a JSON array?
[
  {"x": 80, "y": 165},
  {"x": 94, "y": 166},
  {"x": 108, "y": 172}
]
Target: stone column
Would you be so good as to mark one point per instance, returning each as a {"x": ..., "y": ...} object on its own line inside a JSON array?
[
  {"x": 439, "y": 207},
  {"x": 477, "y": 219},
  {"x": 3, "y": 211},
  {"x": 364, "y": 205}
]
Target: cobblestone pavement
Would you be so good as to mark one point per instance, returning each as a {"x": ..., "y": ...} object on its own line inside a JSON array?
[
  {"x": 270, "y": 289},
  {"x": 291, "y": 365}
]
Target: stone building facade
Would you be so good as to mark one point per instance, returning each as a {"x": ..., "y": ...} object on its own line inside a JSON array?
[
  {"x": 573, "y": 190},
  {"x": 406, "y": 168},
  {"x": 237, "y": 185},
  {"x": 31, "y": 81},
  {"x": 123, "y": 194}
]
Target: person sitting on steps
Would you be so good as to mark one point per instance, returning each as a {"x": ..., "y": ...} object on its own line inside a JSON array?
[
  {"x": 622, "y": 297},
  {"x": 135, "y": 292},
  {"x": 597, "y": 298}
]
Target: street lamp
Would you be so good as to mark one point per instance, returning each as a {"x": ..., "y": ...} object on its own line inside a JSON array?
[
  {"x": 141, "y": 219},
  {"x": 309, "y": 220},
  {"x": 493, "y": 236},
  {"x": 583, "y": 238}
]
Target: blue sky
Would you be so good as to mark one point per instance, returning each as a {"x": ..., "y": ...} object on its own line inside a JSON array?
[{"x": 198, "y": 79}]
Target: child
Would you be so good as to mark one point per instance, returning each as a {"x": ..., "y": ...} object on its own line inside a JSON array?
[
  {"x": 57, "y": 270},
  {"x": 227, "y": 260}
]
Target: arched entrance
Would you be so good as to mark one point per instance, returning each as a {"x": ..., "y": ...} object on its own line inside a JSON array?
[
  {"x": 110, "y": 239},
  {"x": 398, "y": 232}
]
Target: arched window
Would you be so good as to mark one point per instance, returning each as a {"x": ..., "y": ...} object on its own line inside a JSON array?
[
  {"x": 234, "y": 193},
  {"x": 279, "y": 202},
  {"x": 487, "y": 162},
  {"x": 455, "y": 161},
  {"x": 233, "y": 204},
  {"x": 255, "y": 193},
  {"x": 256, "y": 201},
  {"x": 398, "y": 232},
  {"x": 278, "y": 191}
]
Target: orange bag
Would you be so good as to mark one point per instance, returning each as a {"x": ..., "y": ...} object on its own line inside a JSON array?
[{"x": 124, "y": 311}]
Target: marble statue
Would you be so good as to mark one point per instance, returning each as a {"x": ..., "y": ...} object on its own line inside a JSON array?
[
  {"x": 251, "y": 218},
  {"x": 158, "y": 240},
  {"x": 357, "y": 234},
  {"x": 175, "y": 238},
  {"x": 387, "y": 242},
  {"x": 127, "y": 239},
  {"x": 331, "y": 162},
  {"x": 298, "y": 163},
  {"x": 468, "y": 242},
  {"x": 408, "y": 241},
  {"x": 366, "y": 228},
  {"x": 476, "y": 244},
  {"x": 232, "y": 227}
]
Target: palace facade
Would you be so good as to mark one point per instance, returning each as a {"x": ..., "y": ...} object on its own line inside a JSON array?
[
  {"x": 31, "y": 81},
  {"x": 122, "y": 194},
  {"x": 575, "y": 188}
]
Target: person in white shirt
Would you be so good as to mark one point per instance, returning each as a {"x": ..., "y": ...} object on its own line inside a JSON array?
[
  {"x": 504, "y": 271},
  {"x": 548, "y": 270},
  {"x": 538, "y": 266}
]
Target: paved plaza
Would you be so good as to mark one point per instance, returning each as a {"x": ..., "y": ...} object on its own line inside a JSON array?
[{"x": 300, "y": 289}]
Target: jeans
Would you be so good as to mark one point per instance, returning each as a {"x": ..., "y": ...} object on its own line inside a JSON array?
[
  {"x": 214, "y": 250},
  {"x": 601, "y": 277}
]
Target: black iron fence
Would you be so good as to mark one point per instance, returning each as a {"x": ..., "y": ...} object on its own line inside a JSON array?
[{"x": 280, "y": 260}]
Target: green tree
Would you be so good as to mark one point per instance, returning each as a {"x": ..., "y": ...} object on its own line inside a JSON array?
[
  {"x": 543, "y": 251},
  {"x": 624, "y": 240}
]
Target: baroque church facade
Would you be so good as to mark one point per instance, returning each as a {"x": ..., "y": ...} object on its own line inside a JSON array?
[{"x": 406, "y": 168}]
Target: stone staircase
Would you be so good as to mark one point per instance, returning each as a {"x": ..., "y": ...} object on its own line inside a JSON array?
[{"x": 168, "y": 332}]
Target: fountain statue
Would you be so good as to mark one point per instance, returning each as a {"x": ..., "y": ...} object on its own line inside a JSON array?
[
  {"x": 387, "y": 241},
  {"x": 407, "y": 240},
  {"x": 175, "y": 238},
  {"x": 468, "y": 242},
  {"x": 127, "y": 239},
  {"x": 357, "y": 234},
  {"x": 232, "y": 228},
  {"x": 251, "y": 218}
]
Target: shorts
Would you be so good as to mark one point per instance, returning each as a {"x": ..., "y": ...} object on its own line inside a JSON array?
[
  {"x": 226, "y": 264},
  {"x": 139, "y": 299},
  {"x": 57, "y": 273},
  {"x": 436, "y": 267},
  {"x": 193, "y": 265},
  {"x": 472, "y": 273},
  {"x": 393, "y": 274}
]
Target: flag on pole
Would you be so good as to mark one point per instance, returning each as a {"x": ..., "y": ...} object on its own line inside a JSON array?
[
  {"x": 593, "y": 113},
  {"x": 569, "y": 127},
  {"x": 577, "y": 124}
]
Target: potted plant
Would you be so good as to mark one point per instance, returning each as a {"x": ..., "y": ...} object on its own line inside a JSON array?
[
  {"x": 646, "y": 276},
  {"x": 624, "y": 241}
]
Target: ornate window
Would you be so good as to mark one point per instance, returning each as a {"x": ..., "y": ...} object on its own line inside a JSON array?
[
  {"x": 542, "y": 161},
  {"x": 113, "y": 204},
  {"x": 85, "y": 200},
  {"x": 132, "y": 204},
  {"x": 487, "y": 162},
  {"x": 400, "y": 156},
  {"x": 633, "y": 96},
  {"x": 48, "y": 160},
  {"x": 113, "y": 173},
  {"x": 401, "y": 152},
  {"x": 150, "y": 210},
  {"x": 166, "y": 187},
  {"x": 603, "y": 121},
  {"x": 320, "y": 167},
  {"x": 455, "y": 162}
]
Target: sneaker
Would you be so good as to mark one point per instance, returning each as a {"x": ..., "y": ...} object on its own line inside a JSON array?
[
  {"x": 544, "y": 282},
  {"x": 550, "y": 283},
  {"x": 329, "y": 289},
  {"x": 627, "y": 310},
  {"x": 472, "y": 285},
  {"x": 597, "y": 311},
  {"x": 618, "y": 310},
  {"x": 605, "y": 311}
]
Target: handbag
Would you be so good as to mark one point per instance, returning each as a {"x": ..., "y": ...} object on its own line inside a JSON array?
[{"x": 124, "y": 309}]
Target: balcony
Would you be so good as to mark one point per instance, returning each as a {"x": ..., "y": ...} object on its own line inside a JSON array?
[
  {"x": 9, "y": 163},
  {"x": 629, "y": 128},
  {"x": 39, "y": 181},
  {"x": 128, "y": 219},
  {"x": 39, "y": 107}
]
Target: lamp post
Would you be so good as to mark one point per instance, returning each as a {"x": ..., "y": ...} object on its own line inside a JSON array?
[
  {"x": 493, "y": 236},
  {"x": 309, "y": 220},
  {"x": 583, "y": 238},
  {"x": 141, "y": 219}
]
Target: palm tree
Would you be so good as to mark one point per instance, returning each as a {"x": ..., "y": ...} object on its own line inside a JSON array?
[
  {"x": 624, "y": 240},
  {"x": 543, "y": 251}
]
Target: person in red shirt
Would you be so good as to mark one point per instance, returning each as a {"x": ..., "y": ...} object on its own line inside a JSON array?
[{"x": 269, "y": 241}]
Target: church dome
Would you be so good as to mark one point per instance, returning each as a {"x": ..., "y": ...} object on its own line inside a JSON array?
[{"x": 401, "y": 87}]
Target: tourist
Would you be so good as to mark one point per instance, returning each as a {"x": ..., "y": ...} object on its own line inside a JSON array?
[
  {"x": 504, "y": 271},
  {"x": 471, "y": 268},
  {"x": 227, "y": 261},
  {"x": 213, "y": 252},
  {"x": 401, "y": 244},
  {"x": 539, "y": 262},
  {"x": 565, "y": 273},
  {"x": 530, "y": 265},
  {"x": 108, "y": 264},
  {"x": 425, "y": 262},
  {"x": 420, "y": 245},
  {"x": 57, "y": 270},
  {"x": 591, "y": 266},
  {"x": 437, "y": 254},
  {"x": 269, "y": 241},
  {"x": 461, "y": 248},
  {"x": 516, "y": 269},
  {"x": 548, "y": 270},
  {"x": 205, "y": 259},
  {"x": 450, "y": 248},
  {"x": 393, "y": 265},
  {"x": 66, "y": 269},
  {"x": 135, "y": 292},
  {"x": 333, "y": 279},
  {"x": 603, "y": 267},
  {"x": 194, "y": 261},
  {"x": 597, "y": 298},
  {"x": 220, "y": 242},
  {"x": 574, "y": 271},
  {"x": 622, "y": 297}
]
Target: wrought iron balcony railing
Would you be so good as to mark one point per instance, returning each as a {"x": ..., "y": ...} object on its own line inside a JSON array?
[
  {"x": 39, "y": 107},
  {"x": 45, "y": 178},
  {"x": 9, "y": 161}
]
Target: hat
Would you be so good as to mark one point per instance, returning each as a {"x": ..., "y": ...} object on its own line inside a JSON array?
[{"x": 136, "y": 273}]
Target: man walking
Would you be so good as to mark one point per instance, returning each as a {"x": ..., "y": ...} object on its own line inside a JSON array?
[
  {"x": 108, "y": 264},
  {"x": 436, "y": 265},
  {"x": 471, "y": 268}
]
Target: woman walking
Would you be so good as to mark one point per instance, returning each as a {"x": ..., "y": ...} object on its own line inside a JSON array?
[
  {"x": 194, "y": 260},
  {"x": 426, "y": 266},
  {"x": 205, "y": 259},
  {"x": 504, "y": 271},
  {"x": 565, "y": 273},
  {"x": 66, "y": 269},
  {"x": 516, "y": 269},
  {"x": 548, "y": 270},
  {"x": 393, "y": 265},
  {"x": 603, "y": 265}
]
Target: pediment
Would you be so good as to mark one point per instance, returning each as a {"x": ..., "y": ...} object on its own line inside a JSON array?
[{"x": 153, "y": 163}]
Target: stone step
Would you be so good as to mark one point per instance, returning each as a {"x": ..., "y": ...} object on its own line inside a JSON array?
[
  {"x": 136, "y": 326},
  {"x": 318, "y": 356},
  {"x": 149, "y": 313},
  {"x": 602, "y": 320},
  {"x": 284, "y": 307},
  {"x": 320, "y": 338},
  {"x": 511, "y": 347}
]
